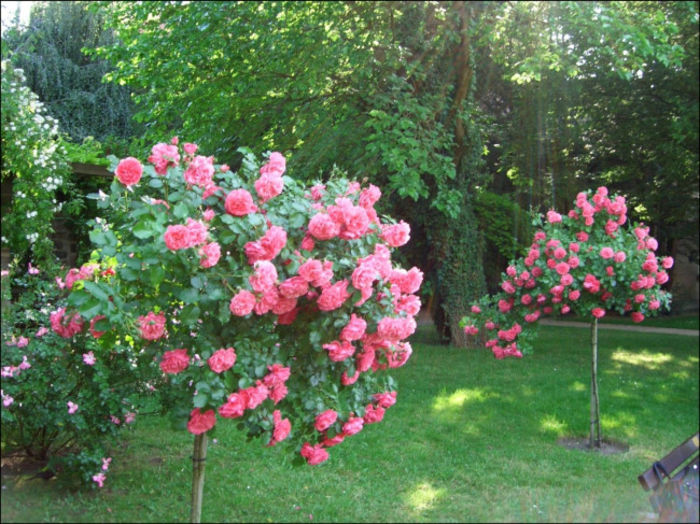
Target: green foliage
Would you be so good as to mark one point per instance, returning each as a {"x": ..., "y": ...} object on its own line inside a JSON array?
[
  {"x": 309, "y": 76},
  {"x": 505, "y": 226},
  {"x": 66, "y": 80},
  {"x": 35, "y": 419},
  {"x": 598, "y": 93}
]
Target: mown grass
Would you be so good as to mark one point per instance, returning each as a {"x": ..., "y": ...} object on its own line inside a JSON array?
[{"x": 471, "y": 439}]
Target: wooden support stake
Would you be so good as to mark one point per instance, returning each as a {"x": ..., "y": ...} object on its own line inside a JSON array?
[
  {"x": 198, "y": 462},
  {"x": 594, "y": 437}
]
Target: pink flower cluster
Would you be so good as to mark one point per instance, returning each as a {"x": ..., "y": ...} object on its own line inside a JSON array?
[
  {"x": 328, "y": 422},
  {"x": 336, "y": 264},
  {"x": 556, "y": 275},
  {"x": 65, "y": 326},
  {"x": 272, "y": 386},
  {"x": 164, "y": 156}
]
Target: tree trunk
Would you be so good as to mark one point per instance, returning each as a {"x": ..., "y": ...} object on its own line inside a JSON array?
[
  {"x": 198, "y": 462},
  {"x": 594, "y": 438}
]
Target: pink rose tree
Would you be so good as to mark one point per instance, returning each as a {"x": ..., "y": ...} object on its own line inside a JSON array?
[
  {"x": 590, "y": 261},
  {"x": 256, "y": 298}
]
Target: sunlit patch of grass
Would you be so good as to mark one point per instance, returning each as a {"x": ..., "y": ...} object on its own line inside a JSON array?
[
  {"x": 618, "y": 421},
  {"x": 551, "y": 424},
  {"x": 424, "y": 496},
  {"x": 458, "y": 398},
  {"x": 577, "y": 386},
  {"x": 641, "y": 357}
]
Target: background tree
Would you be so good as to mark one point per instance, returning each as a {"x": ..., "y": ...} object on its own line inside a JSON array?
[
  {"x": 383, "y": 88},
  {"x": 600, "y": 93},
  {"x": 66, "y": 80},
  {"x": 436, "y": 102}
]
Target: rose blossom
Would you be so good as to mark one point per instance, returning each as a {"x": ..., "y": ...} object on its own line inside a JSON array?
[
  {"x": 333, "y": 441},
  {"x": 354, "y": 329},
  {"x": 201, "y": 422},
  {"x": 275, "y": 165},
  {"x": 333, "y": 296},
  {"x": 396, "y": 234},
  {"x": 177, "y": 237},
  {"x": 72, "y": 408},
  {"x": 129, "y": 171},
  {"x": 396, "y": 328},
  {"x": 607, "y": 252},
  {"x": 242, "y": 303},
  {"x": 598, "y": 312},
  {"x": 210, "y": 254},
  {"x": 314, "y": 454},
  {"x": 553, "y": 217},
  {"x": 339, "y": 351},
  {"x": 268, "y": 187},
  {"x": 234, "y": 407},
  {"x": 222, "y": 359},
  {"x": 325, "y": 420},
  {"x": 264, "y": 277},
  {"x": 323, "y": 227},
  {"x": 200, "y": 171},
  {"x": 99, "y": 478},
  {"x": 294, "y": 287},
  {"x": 239, "y": 202},
  {"x": 281, "y": 429},
  {"x": 164, "y": 156},
  {"x": 369, "y": 196},
  {"x": 372, "y": 414},
  {"x": 152, "y": 325},
  {"x": 89, "y": 358},
  {"x": 353, "y": 426},
  {"x": 255, "y": 395},
  {"x": 174, "y": 361},
  {"x": 197, "y": 232},
  {"x": 386, "y": 399},
  {"x": 75, "y": 324}
]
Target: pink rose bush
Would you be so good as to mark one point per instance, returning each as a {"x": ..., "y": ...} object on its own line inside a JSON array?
[
  {"x": 70, "y": 366},
  {"x": 589, "y": 261},
  {"x": 243, "y": 287}
]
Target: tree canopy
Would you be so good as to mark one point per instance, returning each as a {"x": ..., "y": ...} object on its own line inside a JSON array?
[{"x": 442, "y": 104}]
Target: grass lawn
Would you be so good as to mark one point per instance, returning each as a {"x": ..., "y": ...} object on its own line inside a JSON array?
[{"x": 470, "y": 439}]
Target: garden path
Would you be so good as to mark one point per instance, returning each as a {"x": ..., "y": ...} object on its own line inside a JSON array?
[{"x": 623, "y": 327}]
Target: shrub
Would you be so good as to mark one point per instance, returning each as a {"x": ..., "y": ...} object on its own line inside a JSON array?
[{"x": 64, "y": 399}]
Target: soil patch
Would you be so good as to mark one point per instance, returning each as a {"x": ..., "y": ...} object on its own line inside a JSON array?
[
  {"x": 21, "y": 464},
  {"x": 607, "y": 447}
]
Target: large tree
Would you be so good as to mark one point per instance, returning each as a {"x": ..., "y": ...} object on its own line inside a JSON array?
[
  {"x": 69, "y": 82},
  {"x": 600, "y": 93},
  {"x": 382, "y": 89},
  {"x": 435, "y": 101}
]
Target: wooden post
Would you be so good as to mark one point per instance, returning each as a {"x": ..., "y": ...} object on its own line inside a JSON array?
[
  {"x": 595, "y": 401},
  {"x": 198, "y": 462}
]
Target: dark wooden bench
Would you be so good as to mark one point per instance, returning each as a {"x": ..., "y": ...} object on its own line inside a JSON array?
[{"x": 679, "y": 457}]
